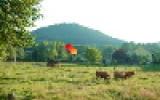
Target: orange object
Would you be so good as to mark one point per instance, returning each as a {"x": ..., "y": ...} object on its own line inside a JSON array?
[
  {"x": 70, "y": 49},
  {"x": 73, "y": 51},
  {"x": 68, "y": 46}
]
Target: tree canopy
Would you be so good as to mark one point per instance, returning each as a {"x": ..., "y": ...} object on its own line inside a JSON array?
[
  {"x": 93, "y": 55},
  {"x": 16, "y": 17}
]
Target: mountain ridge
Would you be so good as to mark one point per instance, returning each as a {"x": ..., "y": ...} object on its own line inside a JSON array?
[{"x": 74, "y": 33}]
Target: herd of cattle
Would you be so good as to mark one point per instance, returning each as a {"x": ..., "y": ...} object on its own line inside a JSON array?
[
  {"x": 116, "y": 74},
  {"x": 100, "y": 74}
]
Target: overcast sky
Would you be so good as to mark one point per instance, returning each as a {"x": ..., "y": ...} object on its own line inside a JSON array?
[{"x": 131, "y": 20}]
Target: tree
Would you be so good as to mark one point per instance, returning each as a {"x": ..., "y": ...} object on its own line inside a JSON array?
[
  {"x": 42, "y": 51},
  {"x": 156, "y": 57},
  {"x": 49, "y": 50},
  {"x": 107, "y": 54},
  {"x": 93, "y": 55},
  {"x": 16, "y": 16},
  {"x": 19, "y": 54},
  {"x": 143, "y": 56},
  {"x": 129, "y": 46},
  {"x": 61, "y": 52},
  {"x": 3, "y": 53},
  {"x": 154, "y": 49},
  {"x": 138, "y": 53},
  {"x": 57, "y": 51},
  {"x": 120, "y": 57}
]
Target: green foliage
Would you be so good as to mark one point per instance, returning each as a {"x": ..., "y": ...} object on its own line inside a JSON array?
[
  {"x": 156, "y": 57},
  {"x": 56, "y": 51},
  {"x": 107, "y": 54},
  {"x": 120, "y": 57},
  {"x": 128, "y": 53},
  {"x": 93, "y": 55},
  {"x": 137, "y": 53},
  {"x": 143, "y": 56},
  {"x": 3, "y": 53},
  {"x": 49, "y": 50},
  {"x": 154, "y": 48},
  {"x": 20, "y": 54},
  {"x": 16, "y": 16},
  {"x": 129, "y": 46}
]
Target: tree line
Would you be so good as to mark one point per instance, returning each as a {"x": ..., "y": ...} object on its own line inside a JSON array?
[{"x": 128, "y": 53}]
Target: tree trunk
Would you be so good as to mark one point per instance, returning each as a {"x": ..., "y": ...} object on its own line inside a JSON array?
[{"x": 15, "y": 55}]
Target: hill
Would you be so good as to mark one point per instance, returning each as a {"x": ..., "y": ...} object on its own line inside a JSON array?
[{"x": 74, "y": 33}]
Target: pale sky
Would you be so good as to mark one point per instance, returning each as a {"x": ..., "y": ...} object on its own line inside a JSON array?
[{"x": 130, "y": 20}]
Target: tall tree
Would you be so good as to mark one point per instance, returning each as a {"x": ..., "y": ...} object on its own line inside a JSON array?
[
  {"x": 143, "y": 56},
  {"x": 120, "y": 57},
  {"x": 156, "y": 57},
  {"x": 93, "y": 55},
  {"x": 16, "y": 16},
  {"x": 107, "y": 54}
]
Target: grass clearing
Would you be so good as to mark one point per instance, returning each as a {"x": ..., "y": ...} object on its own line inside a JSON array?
[{"x": 35, "y": 81}]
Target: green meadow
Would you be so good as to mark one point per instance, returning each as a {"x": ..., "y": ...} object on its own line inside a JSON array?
[{"x": 35, "y": 81}]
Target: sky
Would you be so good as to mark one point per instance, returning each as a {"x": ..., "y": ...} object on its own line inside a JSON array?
[{"x": 130, "y": 20}]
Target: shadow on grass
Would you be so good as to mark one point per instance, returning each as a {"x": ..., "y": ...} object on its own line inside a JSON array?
[{"x": 9, "y": 78}]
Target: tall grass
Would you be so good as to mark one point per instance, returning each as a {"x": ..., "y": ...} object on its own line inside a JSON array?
[{"x": 35, "y": 81}]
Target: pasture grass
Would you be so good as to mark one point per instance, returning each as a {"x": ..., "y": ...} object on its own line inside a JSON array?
[{"x": 35, "y": 81}]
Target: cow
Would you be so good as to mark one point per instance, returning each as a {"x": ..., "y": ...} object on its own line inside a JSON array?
[
  {"x": 119, "y": 74},
  {"x": 129, "y": 74},
  {"x": 52, "y": 63},
  {"x": 123, "y": 75},
  {"x": 102, "y": 74}
]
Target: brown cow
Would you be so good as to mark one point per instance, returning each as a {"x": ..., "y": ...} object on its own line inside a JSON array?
[
  {"x": 119, "y": 74},
  {"x": 102, "y": 74},
  {"x": 129, "y": 74},
  {"x": 52, "y": 63},
  {"x": 123, "y": 75}
]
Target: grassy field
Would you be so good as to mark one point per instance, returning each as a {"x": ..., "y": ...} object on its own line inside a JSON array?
[{"x": 35, "y": 81}]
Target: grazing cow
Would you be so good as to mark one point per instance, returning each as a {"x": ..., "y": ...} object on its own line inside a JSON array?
[
  {"x": 123, "y": 75},
  {"x": 129, "y": 74},
  {"x": 118, "y": 74},
  {"x": 102, "y": 74},
  {"x": 52, "y": 63}
]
